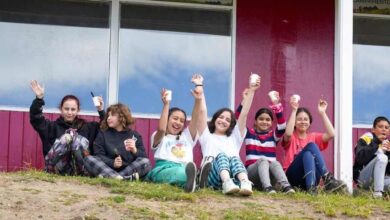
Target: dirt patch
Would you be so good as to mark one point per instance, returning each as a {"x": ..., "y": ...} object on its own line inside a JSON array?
[{"x": 27, "y": 198}]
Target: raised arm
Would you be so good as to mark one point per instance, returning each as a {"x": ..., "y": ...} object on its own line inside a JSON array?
[
  {"x": 291, "y": 121},
  {"x": 162, "y": 125},
  {"x": 200, "y": 103},
  {"x": 197, "y": 80},
  {"x": 246, "y": 105},
  {"x": 329, "y": 133}
]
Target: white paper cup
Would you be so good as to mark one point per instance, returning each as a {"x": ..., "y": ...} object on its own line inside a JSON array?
[
  {"x": 253, "y": 78},
  {"x": 296, "y": 97},
  {"x": 95, "y": 100},
  {"x": 272, "y": 95},
  {"x": 168, "y": 94}
]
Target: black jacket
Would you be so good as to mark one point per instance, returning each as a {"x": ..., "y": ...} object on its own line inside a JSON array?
[
  {"x": 49, "y": 131},
  {"x": 110, "y": 143},
  {"x": 365, "y": 151}
]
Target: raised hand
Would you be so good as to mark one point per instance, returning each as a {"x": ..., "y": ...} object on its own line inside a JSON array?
[
  {"x": 197, "y": 92},
  {"x": 197, "y": 79},
  {"x": 322, "y": 105},
  {"x": 256, "y": 85},
  {"x": 100, "y": 107},
  {"x": 37, "y": 89},
  {"x": 164, "y": 96},
  {"x": 274, "y": 97},
  {"x": 294, "y": 102}
]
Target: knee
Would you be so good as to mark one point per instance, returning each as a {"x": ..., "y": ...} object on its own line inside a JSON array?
[
  {"x": 261, "y": 161},
  {"x": 311, "y": 146},
  {"x": 276, "y": 164},
  {"x": 382, "y": 158},
  {"x": 221, "y": 156}
]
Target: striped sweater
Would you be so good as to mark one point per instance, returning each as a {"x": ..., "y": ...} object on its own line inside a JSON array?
[{"x": 263, "y": 144}]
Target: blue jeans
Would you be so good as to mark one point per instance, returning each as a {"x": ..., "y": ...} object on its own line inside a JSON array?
[{"x": 307, "y": 168}]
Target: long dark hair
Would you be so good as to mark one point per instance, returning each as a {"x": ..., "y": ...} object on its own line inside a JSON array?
[
  {"x": 176, "y": 109},
  {"x": 233, "y": 121},
  {"x": 266, "y": 111},
  {"x": 78, "y": 122},
  {"x": 303, "y": 109}
]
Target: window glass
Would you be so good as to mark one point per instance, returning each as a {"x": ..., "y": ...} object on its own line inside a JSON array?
[
  {"x": 162, "y": 47},
  {"x": 371, "y": 61},
  {"x": 62, "y": 44}
]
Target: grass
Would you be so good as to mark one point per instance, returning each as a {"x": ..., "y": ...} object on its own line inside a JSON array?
[{"x": 172, "y": 202}]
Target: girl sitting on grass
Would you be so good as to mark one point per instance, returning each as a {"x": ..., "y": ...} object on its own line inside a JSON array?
[
  {"x": 173, "y": 145},
  {"x": 260, "y": 143},
  {"x": 221, "y": 139},
  {"x": 118, "y": 150}
]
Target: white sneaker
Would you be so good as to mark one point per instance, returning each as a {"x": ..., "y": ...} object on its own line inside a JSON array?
[
  {"x": 228, "y": 187},
  {"x": 377, "y": 195},
  {"x": 245, "y": 188}
]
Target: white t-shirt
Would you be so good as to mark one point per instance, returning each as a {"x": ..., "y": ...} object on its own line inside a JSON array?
[
  {"x": 213, "y": 144},
  {"x": 174, "y": 150}
]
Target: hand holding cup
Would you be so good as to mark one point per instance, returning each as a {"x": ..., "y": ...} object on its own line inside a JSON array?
[
  {"x": 274, "y": 96},
  {"x": 130, "y": 145}
]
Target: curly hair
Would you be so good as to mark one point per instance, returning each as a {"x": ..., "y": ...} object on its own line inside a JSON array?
[
  {"x": 124, "y": 116},
  {"x": 233, "y": 121}
]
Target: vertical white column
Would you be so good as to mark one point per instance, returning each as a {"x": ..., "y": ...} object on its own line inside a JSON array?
[
  {"x": 112, "y": 89},
  {"x": 343, "y": 91},
  {"x": 233, "y": 57}
]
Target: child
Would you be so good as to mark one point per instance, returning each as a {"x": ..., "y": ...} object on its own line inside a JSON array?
[
  {"x": 119, "y": 151},
  {"x": 260, "y": 144},
  {"x": 66, "y": 140},
  {"x": 303, "y": 161},
  {"x": 173, "y": 144},
  {"x": 221, "y": 139},
  {"x": 371, "y": 158}
]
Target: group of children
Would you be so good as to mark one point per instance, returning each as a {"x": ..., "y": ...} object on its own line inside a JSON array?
[{"x": 73, "y": 146}]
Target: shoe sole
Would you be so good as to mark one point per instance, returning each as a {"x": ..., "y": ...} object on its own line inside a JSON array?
[
  {"x": 337, "y": 189},
  {"x": 204, "y": 174},
  {"x": 245, "y": 192},
  {"x": 191, "y": 177},
  {"x": 291, "y": 191},
  {"x": 232, "y": 191}
]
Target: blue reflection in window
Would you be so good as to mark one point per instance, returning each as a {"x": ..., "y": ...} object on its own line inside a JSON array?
[
  {"x": 371, "y": 83},
  {"x": 151, "y": 60},
  {"x": 66, "y": 59}
]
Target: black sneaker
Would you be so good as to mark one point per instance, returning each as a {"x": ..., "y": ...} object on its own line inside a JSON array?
[
  {"x": 333, "y": 185},
  {"x": 269, "y": 190},
  {"x": 191, "y": 177},
  {"x": 204, "y": 174},
  {"x": 288, "y": 190},
  {"x": 132, "y": 177},
  {"x": 313, "y": 191}
]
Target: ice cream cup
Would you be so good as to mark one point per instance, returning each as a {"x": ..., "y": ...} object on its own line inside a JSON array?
[
  {"x": 253, "y": 78},
  {"x": 168, "y": 94},
  {"x": 96, "y": 101}
]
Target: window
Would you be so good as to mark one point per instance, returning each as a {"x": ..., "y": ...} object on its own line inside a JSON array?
[
  {"x": 161, "y": 47},
  {"x": 62, "y": 44},
  {"x": 371, "y": 62}
]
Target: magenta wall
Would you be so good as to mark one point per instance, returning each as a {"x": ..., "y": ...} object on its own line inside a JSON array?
[{"x": 291, "y": 45}]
